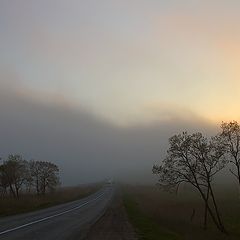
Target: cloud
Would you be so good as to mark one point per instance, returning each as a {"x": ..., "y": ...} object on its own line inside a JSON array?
[{"x": 96, "y": 53}]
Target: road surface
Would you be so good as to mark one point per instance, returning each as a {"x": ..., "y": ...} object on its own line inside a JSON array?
[{"x": 62, "y": 222}]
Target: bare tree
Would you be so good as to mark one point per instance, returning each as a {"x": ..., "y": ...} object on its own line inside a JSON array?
[
  {"x": 231, "y": 136},
  {"x": 210, "y": 155},
  {"x": 3, "y": 182},
  {"x": 194, "y": 160},
  {"x": 14, "y": 172},
  {"x": 35, "y": 172},
  {"x": 44, "y": 176},
  {"x": 17, "y": 173}
]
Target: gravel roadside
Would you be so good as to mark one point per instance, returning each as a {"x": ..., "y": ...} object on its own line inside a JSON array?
[{"x": 114, "y": 224}]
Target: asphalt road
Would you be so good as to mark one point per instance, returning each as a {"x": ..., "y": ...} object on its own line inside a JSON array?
[{"x": 66, "y": 221}]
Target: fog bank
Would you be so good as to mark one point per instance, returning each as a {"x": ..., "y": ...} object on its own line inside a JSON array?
[{"x": 86, "y": 147}]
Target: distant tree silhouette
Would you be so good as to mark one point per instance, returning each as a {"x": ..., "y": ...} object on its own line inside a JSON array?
[
  {"x": 3, "y": 182},
  {"x": 44, "y": 176},
  {"x": 195, "y": 160},
  {"x": 13, "y": 173},
  {"x": 18, "y": 174}
]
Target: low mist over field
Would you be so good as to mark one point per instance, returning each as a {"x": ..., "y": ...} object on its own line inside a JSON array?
[{"x": 86, "y": 147}]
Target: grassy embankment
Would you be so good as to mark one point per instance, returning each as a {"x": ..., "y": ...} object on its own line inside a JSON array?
[
  {"x": 163, "y": 216},
  {"x": 30, "y": 202},
  {"x": 146, "y": 227}
]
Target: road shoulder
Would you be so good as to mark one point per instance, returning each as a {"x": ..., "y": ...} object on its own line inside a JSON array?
[{"x": 113, "y": 224}]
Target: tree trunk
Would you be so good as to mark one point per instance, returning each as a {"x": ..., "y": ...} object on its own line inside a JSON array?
[
  {"x": 37, "y": 186},
  {"x": 206, "y": 211},
  {"x": 17, "y": 192},
  {"x": 217, "y": 211},
  {"x": 209, "y": 209},
  {"x": 12, "y": 191},
  {"x": 238, "y": 170}
]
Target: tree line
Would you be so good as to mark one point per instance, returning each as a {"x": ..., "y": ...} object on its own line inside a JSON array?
[
  {"x": 18, "y": 175},
  {"x": 196, "y": 160}
]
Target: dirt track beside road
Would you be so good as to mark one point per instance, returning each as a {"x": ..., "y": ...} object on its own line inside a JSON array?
[{"x": 114, "y": 224}]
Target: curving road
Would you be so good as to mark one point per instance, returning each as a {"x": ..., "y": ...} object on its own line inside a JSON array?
[{"x": 66, "y": 221}]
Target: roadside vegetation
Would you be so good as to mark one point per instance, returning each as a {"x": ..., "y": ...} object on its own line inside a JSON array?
[
  {"x": 188, "y": 202},
  {"x": 146, "y": 227},
  {"x": 157, "y": 214},
  {"x": 19, "y": 176},
  {"x": 31, "y": 185},
  {"x": 195, "y": 160},
  {"x": 31, "y": 202}
]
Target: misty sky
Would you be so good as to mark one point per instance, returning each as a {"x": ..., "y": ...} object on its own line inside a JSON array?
[{"x": 105, "y": 83}]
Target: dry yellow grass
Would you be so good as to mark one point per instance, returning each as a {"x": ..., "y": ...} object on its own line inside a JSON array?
[
  {"x": 30, "y": 202},
  {"x": 173, "y": 212}
]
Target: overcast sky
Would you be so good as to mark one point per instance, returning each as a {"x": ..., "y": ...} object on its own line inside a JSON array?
[{"x": 107, "y": 82}]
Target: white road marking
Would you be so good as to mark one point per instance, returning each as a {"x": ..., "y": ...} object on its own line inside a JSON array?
[{"x": 50, "y": 217}]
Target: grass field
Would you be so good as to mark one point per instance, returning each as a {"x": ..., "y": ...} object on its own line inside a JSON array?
[
  {"x": 145, "y": 226},
  {"x": 160, "y": 215},
  {"x": 30, "y": 202}
]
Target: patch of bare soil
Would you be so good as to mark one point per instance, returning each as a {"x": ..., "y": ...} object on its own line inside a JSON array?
[{"x": 114, "y": 224}]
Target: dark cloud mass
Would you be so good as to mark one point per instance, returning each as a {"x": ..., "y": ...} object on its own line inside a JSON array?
[{"x": 85, "y": 147}]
